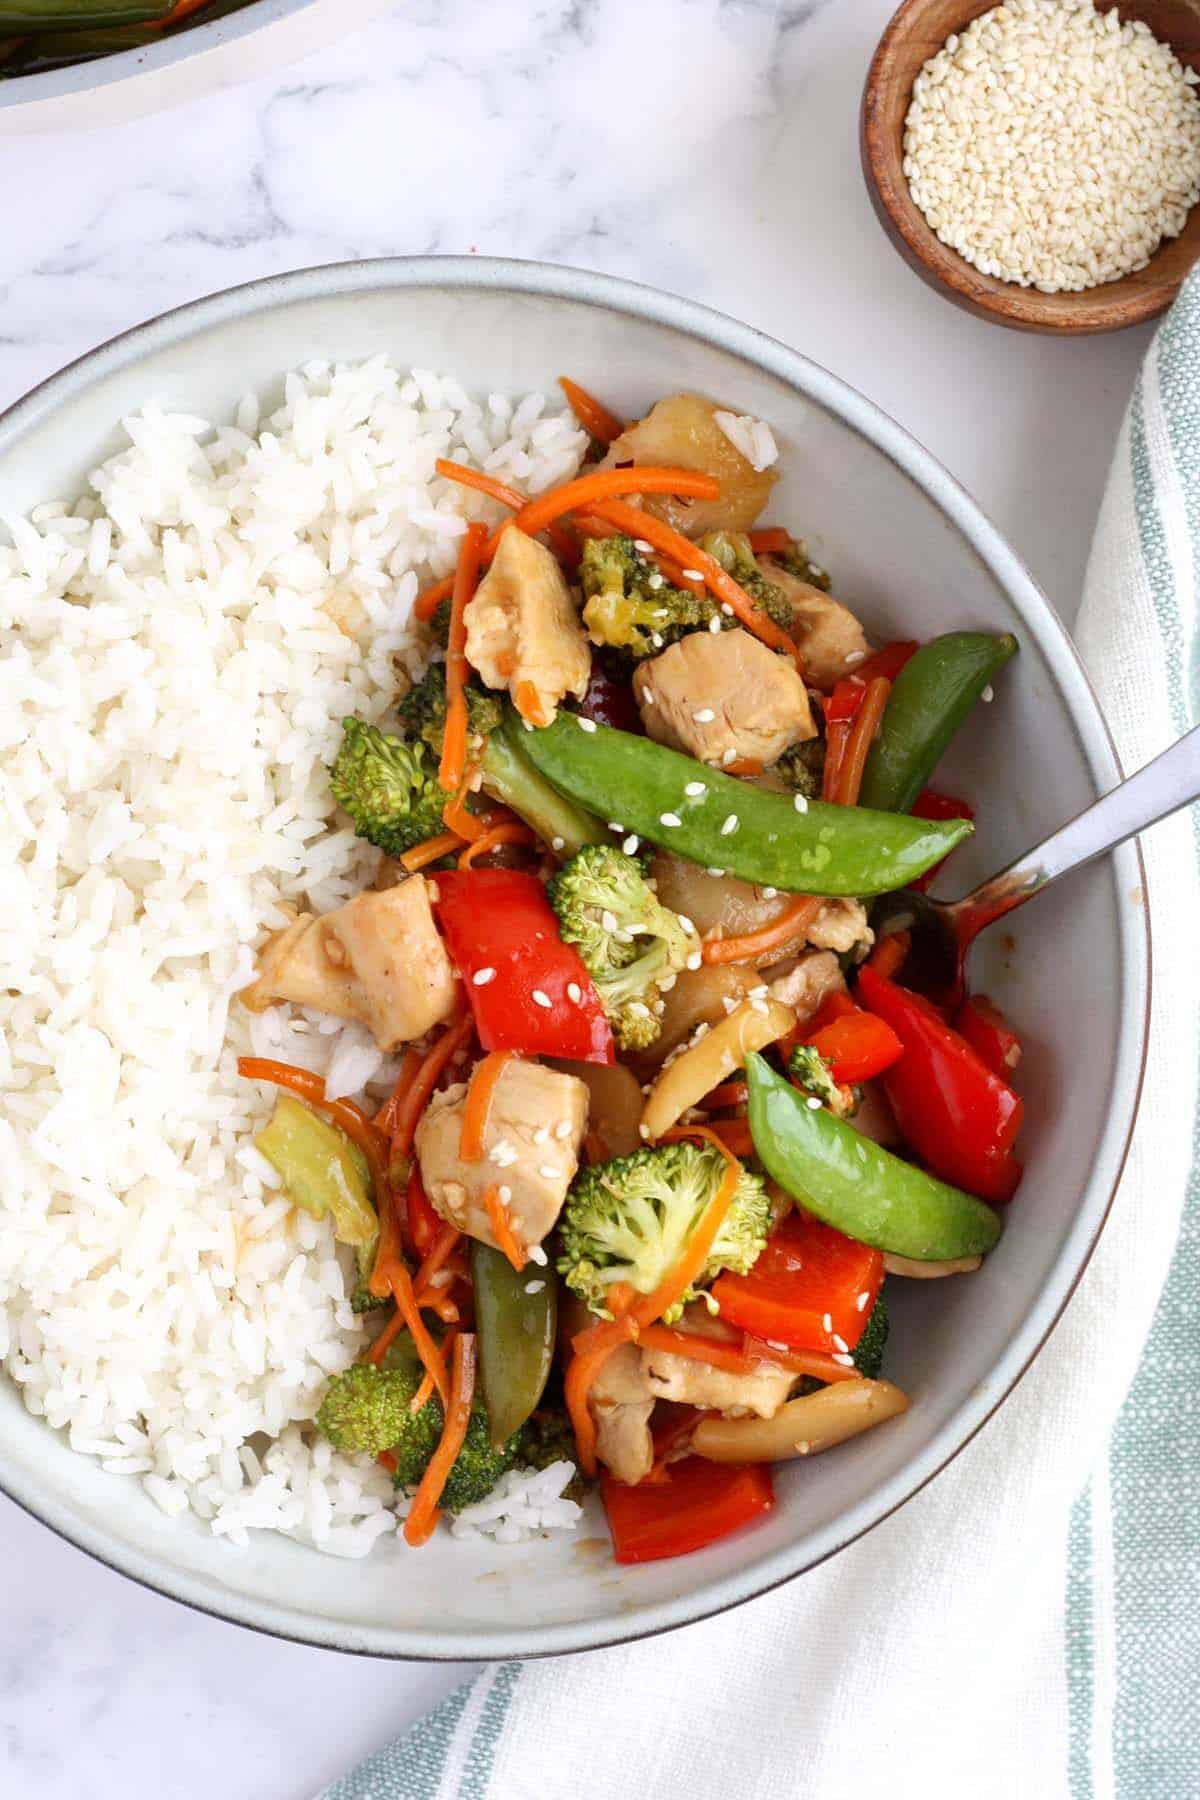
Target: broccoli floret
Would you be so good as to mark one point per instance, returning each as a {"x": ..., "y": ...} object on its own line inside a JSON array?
[
  {"x": 796, "y": 560},
  {"x": 732, "y": 550},
  {"x": 809, "y": 1069},
  {"x": 389, "y": 787},
  {"x": 803, "y": 767},
  {"x": 868, "y": 1352},
  {"x": 423, "y": 709},
  {"x": 366, "y": 1409},
  {"x": 628, "y": 604},
  {"x": 629, "y": 1219},
  {"x": 631, "y": 943}
]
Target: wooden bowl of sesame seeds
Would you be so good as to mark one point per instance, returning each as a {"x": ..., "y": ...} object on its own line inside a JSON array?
[{"x": 918, "y": 32}]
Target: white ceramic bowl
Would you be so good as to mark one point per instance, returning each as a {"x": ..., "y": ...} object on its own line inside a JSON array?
[
  {"x": 214, "y": 53},
  {"x": 914, "y": 554}
]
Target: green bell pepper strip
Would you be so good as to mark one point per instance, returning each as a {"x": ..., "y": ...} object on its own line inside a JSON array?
[
  {"x": 517, "y": 1332},
  {"x": 847, "y": 1181},
  {"x": 761, "y": 836},
  {"x": 930, "y": 698}
]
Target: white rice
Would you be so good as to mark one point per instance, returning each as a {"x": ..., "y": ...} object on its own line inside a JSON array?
[{"x": 177, "y": 650}]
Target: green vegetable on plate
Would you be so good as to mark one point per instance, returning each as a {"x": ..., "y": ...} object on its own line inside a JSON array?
[
  {"x": 517, "y": 1331},
  {"x": 321, "y": 1170},
  {"x": 777, "y": 840},
  {"x": 847, "y": 1181},
  {"x": 930, "y": 698}
]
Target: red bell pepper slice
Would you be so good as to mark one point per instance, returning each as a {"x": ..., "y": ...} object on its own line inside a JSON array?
[
  {"x": 857, "y": 1044},
  {"x": 931, "y": 805},
  {"x": 989, "y": 1032},
  {"x": 887, "y": 662},
  {"x": 422, "y": 1224},
  {"x": 958, "y": 1115},
  {"x": 694, "y": 1504},
  {"x": 807, "y": 1274},
  {"x": 528, "y": 990}
]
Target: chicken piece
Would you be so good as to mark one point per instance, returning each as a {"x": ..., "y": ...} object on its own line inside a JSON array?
[
  {"x": 831, "y": 639},
  {"x": 721, "y": 696},
  {"x": 694, "y": 1383},
  {"x": 621, "y": 1403},
  {"x": 841, "y": 925},
  {"x": 873, "y": 1117},
  {"x": 379, "y": 959},
  {"x": 807, "y": 985},
  {"x": 682, "y": 433},
  {"x": 531, "y": 1142},
  {"x": 523, "y": 632}
]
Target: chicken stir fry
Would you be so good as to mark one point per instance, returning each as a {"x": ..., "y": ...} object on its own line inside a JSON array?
[{"x": 663, "y": 1112}]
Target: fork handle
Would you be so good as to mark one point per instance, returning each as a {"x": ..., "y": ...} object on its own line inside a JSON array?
[{"x": 1171, "y": 781}]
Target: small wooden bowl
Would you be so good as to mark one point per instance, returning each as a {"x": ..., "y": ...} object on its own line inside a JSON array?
[{"x": 917, "y": 32}]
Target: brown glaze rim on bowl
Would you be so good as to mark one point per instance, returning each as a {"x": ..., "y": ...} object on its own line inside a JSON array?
[{"x": 916, "y": 32}]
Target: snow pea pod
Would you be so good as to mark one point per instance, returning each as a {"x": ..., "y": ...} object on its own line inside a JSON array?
[
  {"x": 63, "y": 15},
  {"x": 516, "y": 1336},
  {"x": 802, "y": 847},
  {"x": 930, "y": 698},
  {"x": 847, "y": 1181}
]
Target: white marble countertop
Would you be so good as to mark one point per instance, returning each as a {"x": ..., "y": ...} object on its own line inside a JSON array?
[{"x": 452, "y": 126}]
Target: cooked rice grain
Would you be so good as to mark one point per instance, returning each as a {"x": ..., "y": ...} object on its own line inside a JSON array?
[{"x": 177, "y": 651}]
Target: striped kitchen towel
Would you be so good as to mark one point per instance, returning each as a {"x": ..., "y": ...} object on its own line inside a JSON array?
[{"x": 999, "y": 1633}]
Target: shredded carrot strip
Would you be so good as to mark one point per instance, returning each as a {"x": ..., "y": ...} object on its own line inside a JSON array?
[
  {"x": 592, "y": 1350},
  {"x": 890, "y": 953},
  {"x": 456, "y": 1034},
  {"x": 512, "y": 832},
  {"x": 719, "y": 582},
  {"x": 528, "y": 703},
  {"x": 453, "y": 765},
  {"x": 386, "y": 1338},
  {"x": 427, "y": 1350},
  {"x": 674, "y": 1286},
  {"x": 713, "y": 1351},
  {"x": 798, "y": 1362},
  {"x": 456, "y": 814},
  {"x": 182, "y": 9},
  {"x": 427, "y": 603},
  {"x": 446, "y": 843},
  {"x": 862, "y": 734},
  {"x": 596, "y": 419},
  {"x": 743, "y": 765},
  {"x": 506, "y": 1238},
  {"x": 770, "y": 540},
  {"x": 425, "y": 1391},
  {"x": 444, "y": 1244},
  {"x": 801, "y": 913},
  {"x": 603, "y": 484},
  {"x": 353, "y": 1121},
  {"x": 505, "y": 495},
  {"x": 478, "y": 1103},
  {"x": 423, "y": 1514},
  {"x": 385, "y": 1118}
]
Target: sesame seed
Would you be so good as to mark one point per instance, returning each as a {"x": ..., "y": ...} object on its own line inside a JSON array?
[
  {"x": 503, "y": 1154},
  {"x": 541, "y": 998},
  {"x": 587, "y": 724},
  {"x": 802, "y": 1446},
  {"x": 669, "y": 819},
  {"x": 770, "y": 893},
  {"x": 839, "y": 1343},
  {"x": 694, "y": 789},
  {"x": 730, "y": 755},
  {"x": 730, "y": 826},
  {"x": 827, "y": 1322},
  {"x": 657, "y": 639},
  {"x": 800, "y": 803},
  {"x": 643, "y": 1131},
  {"x": 615, "y": 825},
  {"x": 541, "y": 1135},
  {"x": 716, "y": 872},
  {"x": 534, "y": 1287},
  {"x": 608, "y": 920},
  {"x": 526, "y": 726},
  {"x": 988, "y": 694},
  {"x": 538, "y": 1255},
  {"x": 694, "y": 960},
  {"x": 693, "y": 575},
  {"x": 639, "y": 1009},
  {"x": 843, "y": 1357},
  {"x": 855, "y": 656},
  {"x": 655, "y": 581},
  {"x": 714, "y": 624},
  {"x": 481, "y": 977},
  {"x": 630, "y": 845},
  {"x": 686, "y": 923},
  {"x": 813, "y": 1103},
  {"x": 727, "y": 609},
  {"x": 645, "y": 548},
  {"x": 704, "y": 715},
  {"x": 504, "y": 1193},
  {"x": 557, "y": 843},
  {"x": 562, "y": 1129},
  {"x": 548, "y": 1172},
  {"x": 862, "y": 1302},
  {"x": 574, "y": 992}
]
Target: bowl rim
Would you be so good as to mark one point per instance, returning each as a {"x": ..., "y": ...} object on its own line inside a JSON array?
[
  {"x": 813, "y": 383},
  {"x": 126, "y": 65}
]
